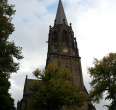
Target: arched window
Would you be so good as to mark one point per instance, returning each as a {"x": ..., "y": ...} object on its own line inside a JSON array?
[
  {"x": 54, "y": 37},
  {"x": 65, "y": 37}
]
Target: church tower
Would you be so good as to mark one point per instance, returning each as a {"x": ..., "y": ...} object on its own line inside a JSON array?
[{"x": 62, "y": 48}]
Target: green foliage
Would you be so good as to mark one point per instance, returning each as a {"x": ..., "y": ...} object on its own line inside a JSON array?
[
  {"x": 6, "y": 12},
  {"x": 56, "y": 90},
  {"x": 9, "y": 54},
  {"x": 37, "y": 73},
  {"x": 104, "y": 79},
  {"x": 6, "y": 102}
]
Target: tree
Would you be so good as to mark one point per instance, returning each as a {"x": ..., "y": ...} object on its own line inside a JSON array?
[
  {"x": 55, "y": 89},
  {"x": 9, "y": 54},
  {"x": 104, "y": 80}
]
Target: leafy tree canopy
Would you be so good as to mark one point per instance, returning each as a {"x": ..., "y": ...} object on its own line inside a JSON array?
[
  {"x": 9, "y": 54},
  {"x": 8, "y": 51},
  {"x": 104, "y": 80},
  {"x": 55, "y": 89}
]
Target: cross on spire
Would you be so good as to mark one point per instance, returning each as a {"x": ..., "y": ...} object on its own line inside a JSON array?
[{"x": 60, "y": 16}]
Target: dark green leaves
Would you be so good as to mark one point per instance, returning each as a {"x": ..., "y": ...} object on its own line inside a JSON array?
[
  {"x": 9, "y": 54},
  {"x": 104, "y": 79},
  {"x": 55, "y": 90}
]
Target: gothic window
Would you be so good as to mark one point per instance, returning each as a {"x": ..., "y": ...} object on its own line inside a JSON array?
[
  {"x": 64, "y": 36},
  {"x": 54, "y": 37}
]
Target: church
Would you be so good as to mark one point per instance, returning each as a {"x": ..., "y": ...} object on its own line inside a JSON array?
[{"x": 62, "y": 47}]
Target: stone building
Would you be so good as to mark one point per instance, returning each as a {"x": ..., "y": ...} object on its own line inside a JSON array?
[{"x": 62, "y": 47}]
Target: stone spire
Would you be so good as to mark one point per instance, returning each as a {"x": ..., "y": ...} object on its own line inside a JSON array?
[{"x": 60, "y": 16}]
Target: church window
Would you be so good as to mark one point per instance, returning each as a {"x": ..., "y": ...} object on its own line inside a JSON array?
[
  {"x": 65, "y": 38},
  {"x": 54, "y": 38}
]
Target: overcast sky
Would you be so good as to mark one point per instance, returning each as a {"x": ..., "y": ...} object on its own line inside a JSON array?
[{"x": 93, "y": 22}]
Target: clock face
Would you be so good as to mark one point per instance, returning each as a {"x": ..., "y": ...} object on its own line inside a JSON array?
[{"x": 65, "y": 50}]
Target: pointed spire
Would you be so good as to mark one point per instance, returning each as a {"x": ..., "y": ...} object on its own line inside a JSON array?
[{"x": 60, "y": 16}]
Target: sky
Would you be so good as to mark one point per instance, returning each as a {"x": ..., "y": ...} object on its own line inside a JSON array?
[{"x": 93, "y": 22}]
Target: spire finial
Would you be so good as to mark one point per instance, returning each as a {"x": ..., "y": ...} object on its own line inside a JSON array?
[{"x": 60, "y": 16}]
